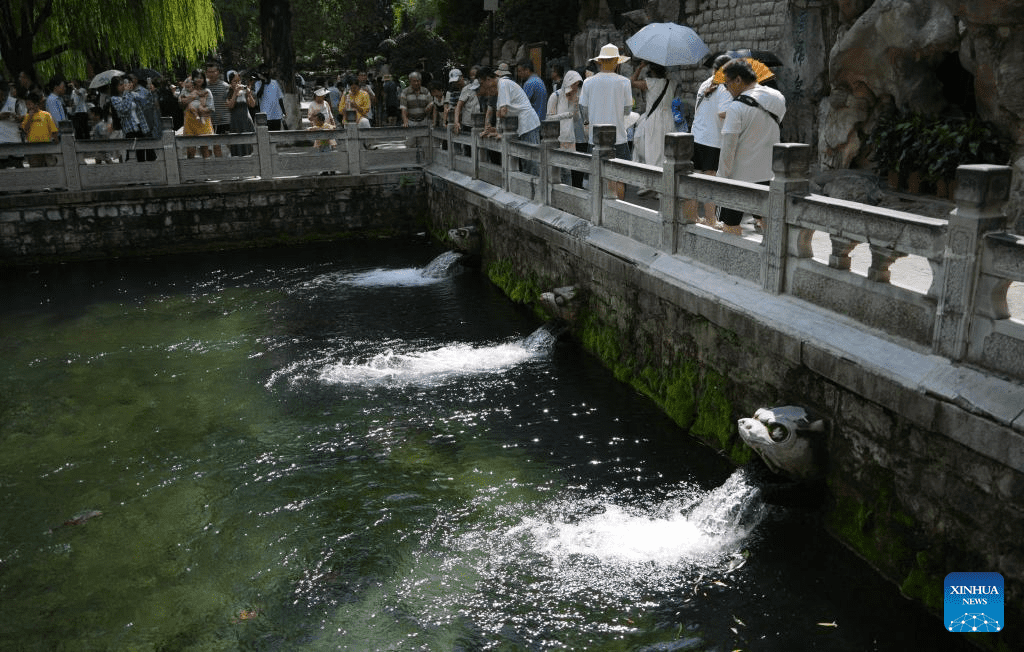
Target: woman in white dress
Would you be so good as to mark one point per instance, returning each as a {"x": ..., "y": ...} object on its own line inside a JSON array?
[{"x": 657, "y": 120}]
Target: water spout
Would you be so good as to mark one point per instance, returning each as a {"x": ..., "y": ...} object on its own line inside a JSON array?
[{"x": 443, "y": 266}]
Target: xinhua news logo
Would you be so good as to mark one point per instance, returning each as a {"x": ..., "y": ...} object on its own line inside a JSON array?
[{"x": 974, "y": 602}]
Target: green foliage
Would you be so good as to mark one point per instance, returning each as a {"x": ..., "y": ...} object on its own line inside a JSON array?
[
  {"x": 531, "y": 22},
  {"x": 907, "y": 141},
  {"x": 408, "y": 49},
  {"x": 63, "y": 35},
  {"x": 459, "y": 22}
]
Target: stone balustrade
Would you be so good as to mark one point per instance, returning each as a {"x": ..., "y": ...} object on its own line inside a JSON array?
[
  {"x": 963, "y": 315},
  {"x": 272, "y": 154}
]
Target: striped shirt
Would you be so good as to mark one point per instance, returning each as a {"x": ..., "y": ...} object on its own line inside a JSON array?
[
  {"x": 415, "y": 104},
  {"x": 221, "y": 114}
]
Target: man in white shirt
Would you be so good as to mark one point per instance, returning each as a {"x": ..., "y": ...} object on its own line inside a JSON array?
[
  {"x": 750, "y": 131},
  {"x": 606, "y": 99},
  {"x": 512, "y": 100},
  {"x": 11, "y": 115},
  {"x": 708, "y": 115}
]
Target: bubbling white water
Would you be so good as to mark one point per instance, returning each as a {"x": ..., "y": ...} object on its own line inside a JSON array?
[{"x": 429, "y": 367}]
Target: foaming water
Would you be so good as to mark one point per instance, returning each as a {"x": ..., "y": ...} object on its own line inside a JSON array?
[
  {"x": 438, "y": 270},
  {"x": 693, "y": 528},
  {"x": 393, "y": 366}
]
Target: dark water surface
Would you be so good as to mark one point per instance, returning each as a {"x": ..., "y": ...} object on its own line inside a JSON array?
[{"x": 321, "y": 448}]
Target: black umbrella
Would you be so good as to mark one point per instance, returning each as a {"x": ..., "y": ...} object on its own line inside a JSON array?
[
  {"x": 769, "y": 59},
  {"x": 147, "y": 73}
]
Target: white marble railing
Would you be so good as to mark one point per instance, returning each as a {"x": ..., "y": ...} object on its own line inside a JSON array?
[
  {"x": 972, "y": 258},
  {"x": 269, "y": 154}
]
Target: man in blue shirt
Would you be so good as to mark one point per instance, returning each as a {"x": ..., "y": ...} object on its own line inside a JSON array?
[
  {"x": 55, "y": 100},
  {"x": 534, "y": 86}
]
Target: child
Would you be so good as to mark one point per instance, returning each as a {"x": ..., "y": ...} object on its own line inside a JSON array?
[
  {"x": 319, "y": 124},
  {"x": 101, "y": 130},
  {"x": 39, "y": 127}
]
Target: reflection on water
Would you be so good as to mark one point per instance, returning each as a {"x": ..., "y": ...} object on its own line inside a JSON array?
[{"x": 301, "y": 450}]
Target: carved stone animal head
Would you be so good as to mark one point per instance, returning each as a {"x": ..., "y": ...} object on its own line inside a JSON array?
[{"x": 788, "y": 439}]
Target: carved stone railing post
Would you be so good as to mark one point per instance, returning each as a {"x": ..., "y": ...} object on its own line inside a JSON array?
[
  {"x": 476, "y": 152},
  {"x": 790, "y": 165},
  {"x": 69, "y": 155},
  {"x": 678, "y": 160},
  {"x": 604, "y": 150},
  {"x": 352, "y": 144},
  {"x": 841, "y": 248},
  {"x": 881, "y": 260},
  {"x": 509, "y": 125},
  {"x": 450, "y": 137},
  {"x": 982, "y": 191},
  {"x": 171, "y": 169},
  {"x": 548, "y": 141},
  {"x": 263, "y": 147}
]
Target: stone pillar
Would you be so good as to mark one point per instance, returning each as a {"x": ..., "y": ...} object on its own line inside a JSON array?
[
  {"x": 509, "y": 124},
  {"x": 982, "y": 191},
  {"x": 263, "y": 147},
  {"x": 604, "y": 150},
  {"x": 69, "y": 155},
  {"x": 881, "y": 260},
  {"x": 478, "y": 128},
  {"x": 548, "y": 141},
  {"x": 678, "y": 160},
  {"x": 171, "y": 170},
  {"x": 790, "y": 165},
  {"x": 352, "y": 144},
  {"x": 450, "y": 137}
]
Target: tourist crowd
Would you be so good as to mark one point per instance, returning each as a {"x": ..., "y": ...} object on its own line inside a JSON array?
[{"x": 736, "y": 117}]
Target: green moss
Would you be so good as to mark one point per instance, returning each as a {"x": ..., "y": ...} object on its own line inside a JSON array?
[
  {"x": 715, "y": 423},
  {"x": 602, "y": 341},
  {"x": 856, "y": 522},
  {"x": 924, "y": 584},
  {"x": 674, "y": 389},
  {"x": 518, "y": 289}
]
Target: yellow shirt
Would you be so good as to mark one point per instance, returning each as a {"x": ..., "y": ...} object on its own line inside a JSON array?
[
  {"x": 39, "y": 127},
  {"x": 361, "y": 102}
]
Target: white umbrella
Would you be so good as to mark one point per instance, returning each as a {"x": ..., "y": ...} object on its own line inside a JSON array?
[
  {"x": 103, "y": 78},
  {"x": 668, "y": 44}
]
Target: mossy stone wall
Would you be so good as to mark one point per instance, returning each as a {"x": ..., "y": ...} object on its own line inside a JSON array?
[{"x": 911, "y": 501}]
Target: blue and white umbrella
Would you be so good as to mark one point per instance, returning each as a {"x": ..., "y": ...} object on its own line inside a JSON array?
[{"x": 668, "y": 44}]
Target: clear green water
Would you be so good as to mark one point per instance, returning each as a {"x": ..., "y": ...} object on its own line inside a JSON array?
[{"x": 319, "y": 449}]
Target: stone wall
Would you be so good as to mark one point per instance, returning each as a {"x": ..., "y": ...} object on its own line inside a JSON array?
[
  {"x": 904, "y": 488},
  {"x": 140, "y": 220}
]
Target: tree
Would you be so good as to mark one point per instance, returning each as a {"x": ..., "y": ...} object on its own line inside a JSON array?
[{"x": 50, "y": 36}]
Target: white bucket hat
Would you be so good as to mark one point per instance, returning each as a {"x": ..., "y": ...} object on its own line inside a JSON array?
[{"x": 609, "y": 51}]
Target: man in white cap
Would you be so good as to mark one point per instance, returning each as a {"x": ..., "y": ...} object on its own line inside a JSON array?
[
  {"x": 468, "y": 104},
  {"x": 319, "y": 105},
  {"x": 606, "y": 99},
  {"x": 456, "y": 82}
]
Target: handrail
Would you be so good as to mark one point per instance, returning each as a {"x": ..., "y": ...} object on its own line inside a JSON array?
[{"x": 972, "y": 257}]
